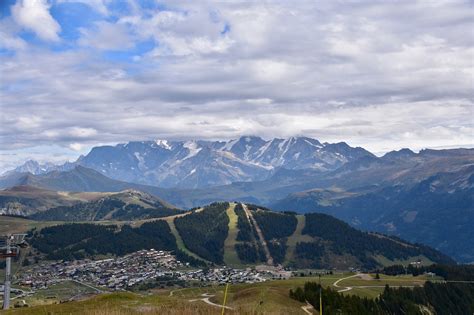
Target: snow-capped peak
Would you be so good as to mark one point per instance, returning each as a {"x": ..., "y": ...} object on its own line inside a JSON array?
[
  {"x": 163, "y": 143},
  {"x": 170, "y": 163}
]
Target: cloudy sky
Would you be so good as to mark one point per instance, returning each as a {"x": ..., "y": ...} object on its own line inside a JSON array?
[{"x": 378, "y": 74}]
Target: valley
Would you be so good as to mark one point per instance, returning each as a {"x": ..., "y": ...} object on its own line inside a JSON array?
[
  {"x": 406, "y": 194},
  {"x": 95, "y": 239}
]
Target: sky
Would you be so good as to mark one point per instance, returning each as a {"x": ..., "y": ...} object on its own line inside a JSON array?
[{"x": 383, "y": 75}]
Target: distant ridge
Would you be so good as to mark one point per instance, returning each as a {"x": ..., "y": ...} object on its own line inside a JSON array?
[
  {"x": 125, "y": 205},
  {"x": 200, "y": 163}
]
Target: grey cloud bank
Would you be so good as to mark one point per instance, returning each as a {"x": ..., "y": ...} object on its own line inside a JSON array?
[{"x": 374, "y": 74}]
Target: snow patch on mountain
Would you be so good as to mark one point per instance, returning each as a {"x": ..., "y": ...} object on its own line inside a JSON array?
[
  {"x": 193, "y": 149},
  {"x": 163, "y": 144},
  {"x": 199, "y": 163}
]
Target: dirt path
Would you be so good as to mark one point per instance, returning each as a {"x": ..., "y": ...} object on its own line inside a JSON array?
[
  {"x": 260, "y": 235},
  {"x": 307, "y": 308},
  {"x": 177, "y": 290},
  {"x": 230, "y": 254},
  {"x": 344, "y": 289},
  {"x": 362, "y": 276},
  {"x": 168, "y": 218},
  {"x": 205, "y": 299}
]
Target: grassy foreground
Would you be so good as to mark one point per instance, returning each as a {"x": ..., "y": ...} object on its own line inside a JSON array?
[{"x": 271, "y": 297}]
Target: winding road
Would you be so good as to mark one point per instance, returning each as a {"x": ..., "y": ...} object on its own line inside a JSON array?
[{"x": 344, "y": 289}]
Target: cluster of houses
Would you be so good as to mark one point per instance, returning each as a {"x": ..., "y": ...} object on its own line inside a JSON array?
[
  {"x": 146, "y": 265},
  {"x": 224, "y": 275},
  {"x": 114, "y": 273}
]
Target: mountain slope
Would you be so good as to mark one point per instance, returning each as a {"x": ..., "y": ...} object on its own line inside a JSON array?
[
  {"x": 26, "y": 200},
  {"x": 438, "y": 210},
  {"x": 82, "y": 179},
  {"x": 328, "y": 242}
]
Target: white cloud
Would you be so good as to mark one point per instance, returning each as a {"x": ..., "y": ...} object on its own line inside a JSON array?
[
  {"x": 76, "y": 146},
  {"x": 270, "y": 70},
  {"x": 79, "y": 132},
  {"x": 379, "y": 75},
  {"x": 34, "y": 15},
  {"x": 107, "y": 36},
  {"x": 8, "y": 38}
]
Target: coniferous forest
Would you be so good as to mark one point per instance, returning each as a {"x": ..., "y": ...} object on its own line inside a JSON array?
[
  {"x": 77, "y": 241},
  {"x": 204, "y": 232},
  {"x": 432, "y": 298}
]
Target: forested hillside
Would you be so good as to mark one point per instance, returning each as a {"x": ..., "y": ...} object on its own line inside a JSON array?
[
  {"x": 204, "y": 232},
  {"x": 76, "y": 241},
  {"x": 339, "y": 238},
  {"x": 276, "y": 227},
  {"x": 320, "y": 241},
  {"x": 248, "y": 246}
]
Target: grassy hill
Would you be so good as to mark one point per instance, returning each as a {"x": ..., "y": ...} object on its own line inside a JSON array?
[
  {"x": 26, "y": 200},
  {"x": 125, "y": 205}
]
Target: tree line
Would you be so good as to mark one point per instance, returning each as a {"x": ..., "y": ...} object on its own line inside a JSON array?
[
  {"x": 436, "y": 298},
  {"x": 448, "y": 272},
  {"x": 77, "y": 241}
]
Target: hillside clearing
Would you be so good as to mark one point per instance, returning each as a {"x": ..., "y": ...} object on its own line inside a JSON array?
[
  {"x": 230, "y": 254},
  {"x": 296, "y": 237},
  {"x": 179, "y": 240}
]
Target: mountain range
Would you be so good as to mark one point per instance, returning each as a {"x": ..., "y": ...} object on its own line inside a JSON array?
[
  {"x": 424, "y": 197},
  {"x": 200, "y": 164}
]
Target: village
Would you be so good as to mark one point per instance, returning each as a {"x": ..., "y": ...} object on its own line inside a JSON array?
[{"x": 123, "y": 273}]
